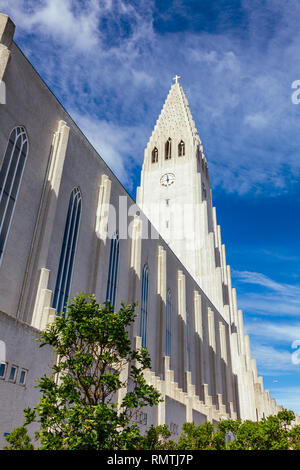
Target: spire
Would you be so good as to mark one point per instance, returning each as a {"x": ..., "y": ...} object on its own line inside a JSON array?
[{"x": 176, "y": 113}]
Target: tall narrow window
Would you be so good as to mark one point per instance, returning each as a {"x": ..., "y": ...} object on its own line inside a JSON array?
[
  {"x": 204, "y": 194},
  {"x": 144, "y": 305},
  {"x": 113, "y": 270},
  {"x": 188, "y": 348},
  {"x": 66, "y": 262},
  {"x": 168, "y": 323},
  {"x": 10, "y": 178},
  {"x": 13, "y": 373},
  {"x": 181, "y": 149},
  {"x": 154, "y": 155},
  {"x": 22, "y": 378},
  {"x": 168, "y": 149},
  {"x": 3, "y": 366}
]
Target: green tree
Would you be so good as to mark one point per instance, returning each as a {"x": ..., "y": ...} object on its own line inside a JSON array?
[
  {"x": 294, "y": 438},
  {"x": 19, "y": 439},
  {"x": 157, "y": 438},
  {"x": 225, "y": 428},
  {"x": 271, "y": 433},
  {"x": 196, "y": 437},
  {"x": 78, "y": 407}
]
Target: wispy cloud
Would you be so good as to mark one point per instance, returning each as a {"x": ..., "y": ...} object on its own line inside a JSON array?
[
  {"x": 273, "y": 361},
  {"x": 272, "y": 339},
  {"x": 262, "y": 280},
  {"x": 279, "y": 333},
  {"x": 281, "y": 256},
  {"x": 58, "y": 20},
  {"x": 269, "y": 305},
  {"x": 112, "y": 141},
  {"x": 289, "y": 396},
  {"x": 257, "y": 120},
  {"x": 278, "y": 299}
]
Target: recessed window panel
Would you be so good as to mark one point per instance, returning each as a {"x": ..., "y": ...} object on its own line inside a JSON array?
[
  {"x": 23, "y": 375},
  {"x": 168, "y": 324},
  {"x": 12, "y": 374},
  {"x": 2, "y": 370},
  {"x": 188, "y": 346},
  {"x": 144, "y": 306},
  {"x": 66, "y": 262},
  {"x": 11, "y": 172},
  {"x": 113, "y": 270}
]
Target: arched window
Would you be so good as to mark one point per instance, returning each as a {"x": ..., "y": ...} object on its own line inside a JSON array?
[
  {"x": 113, "y": 270},
  {"x": 10, "y": 179},
  {"x": 168, "y": 149},
  {"x": 144, "y": 305},
  {"x": 188, "y": 348},
  {"x": 181, "y": 149},
  {"x": 154, "y": 155},
  {"x": 66, "y": 262},
  {"x": 168, "y": 323},
  {"x": 204, "y": 194},
  {"x": 2, "y": 351}
]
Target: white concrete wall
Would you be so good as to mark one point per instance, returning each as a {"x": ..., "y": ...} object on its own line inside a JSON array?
[{"x": 23, "y": 352}]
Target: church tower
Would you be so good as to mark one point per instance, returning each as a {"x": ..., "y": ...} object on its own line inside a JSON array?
[{"x": 175, "y": 195}]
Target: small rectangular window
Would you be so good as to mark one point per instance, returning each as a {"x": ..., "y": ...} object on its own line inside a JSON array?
[
  {"x": 13, "y": 373},
  {"x": 3, "y": 366},
  {"x": 23, "y": 375},
  {"x": 167, "y": 202}
]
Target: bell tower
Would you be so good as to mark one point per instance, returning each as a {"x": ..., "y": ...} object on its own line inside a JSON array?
[{"x": 175, "y": 193}]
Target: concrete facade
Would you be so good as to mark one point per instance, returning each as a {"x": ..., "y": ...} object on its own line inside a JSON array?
[
  {"x": 208, "y": 373},
  {"x": 19, "y": 351}
]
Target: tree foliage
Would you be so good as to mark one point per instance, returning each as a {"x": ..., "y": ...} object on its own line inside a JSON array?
[
  {"x": 78, "y": 407},
  {"x": 19, "y": 439},
  {"x": 271, "y": 433},
  {"x": 157, "y": 438}
]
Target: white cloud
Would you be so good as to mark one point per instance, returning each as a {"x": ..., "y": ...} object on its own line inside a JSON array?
[
  {"x": 282, "y": 300},
  {"x": 272, "y": 361},
  {"x": 274, "y": 332},
  {"x": 113, "y": 143},
  {"x": 288, "y": 397},
  {"x": 262, "y": 280},
  {"x": 57, "y": 19},
  {"x": 269, "y": 305},
  {"x": 256, "y": 120},
  {"x": 249, "y": 277}
]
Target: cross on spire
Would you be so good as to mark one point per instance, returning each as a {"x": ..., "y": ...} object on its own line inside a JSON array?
[{"x": 176, "y": 78}]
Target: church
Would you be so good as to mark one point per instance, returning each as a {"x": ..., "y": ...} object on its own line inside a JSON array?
[{"x": 67, "y": 225}]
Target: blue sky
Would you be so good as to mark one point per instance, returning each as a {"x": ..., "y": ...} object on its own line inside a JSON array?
[{"x": 111, "y": 64}]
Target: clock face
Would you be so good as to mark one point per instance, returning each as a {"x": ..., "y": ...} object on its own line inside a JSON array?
[{"x": 167, "y": 179}]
